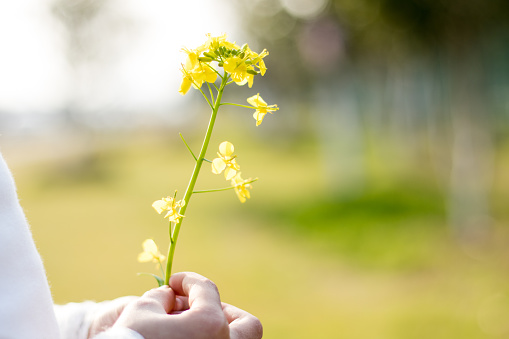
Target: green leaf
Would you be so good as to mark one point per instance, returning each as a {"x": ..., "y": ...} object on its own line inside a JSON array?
[
  {"x": 188, "y": 148},
  {"x": 160, "y": 281}
]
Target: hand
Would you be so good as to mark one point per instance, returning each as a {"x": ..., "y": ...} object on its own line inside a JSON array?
[
  {"x": 108, "y": 315},
  {"x": 190, "y": 309}
]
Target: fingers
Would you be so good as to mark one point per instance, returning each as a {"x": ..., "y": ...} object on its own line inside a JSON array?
[
  {"x": 107, "y": 314},
  {"x": 201, "y": 292},
  {"x": 158, "y": 300},
  {"x": 205, "y": 315},
  {"x": 117, "y": 306},
  {"x": 181, "y": 304},
  {"x": 242, "y": 324},
  {"x": 122, "y": 302}
]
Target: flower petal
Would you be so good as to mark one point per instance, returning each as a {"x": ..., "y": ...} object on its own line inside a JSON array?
[
  {"x": 240, "y": 196},
  {"x": 210, "y": 75},
  {"x": 226, "y": 148},
  {"x": 252, "y": 100},
  {"x": 185, "y": 85},
  {"x": 145, "y": 257},
  {"x": 229, "y": 173},
  {"x": 258, "y": 117},
  {"x": 218, "y": 165},
  {"x": 159, "y": 206},
  {"x": 149, "y": 246},
  {"x": 234, "y": 165}
]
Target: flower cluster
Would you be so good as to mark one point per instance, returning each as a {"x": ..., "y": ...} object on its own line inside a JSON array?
[{"x": 240, "y": 62}]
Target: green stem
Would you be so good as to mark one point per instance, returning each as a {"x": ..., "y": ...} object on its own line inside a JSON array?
[
  {"x": 190, "y": 187},
  {"x": 211, "y": 94},
  {"x": 222, "y": 189},
  {"x": 239, "y": 105},
  {"x": 206, "y": 98}
]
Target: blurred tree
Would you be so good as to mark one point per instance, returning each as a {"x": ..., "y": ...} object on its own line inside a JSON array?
[
  {"x": 370, "y": 29},
  {"x": 399, "y": 70}
]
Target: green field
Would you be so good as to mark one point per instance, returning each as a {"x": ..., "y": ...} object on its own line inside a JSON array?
[{"x": 310, "y": 260}]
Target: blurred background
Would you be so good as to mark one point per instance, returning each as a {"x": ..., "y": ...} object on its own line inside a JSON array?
[{"x": 382, "y": 205}]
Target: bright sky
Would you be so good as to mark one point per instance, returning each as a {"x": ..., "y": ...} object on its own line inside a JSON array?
[{"x": 143, "y": 74}]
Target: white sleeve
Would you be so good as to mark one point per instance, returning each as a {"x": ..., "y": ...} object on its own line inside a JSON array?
[
  {"x": 26, "y": 306},
  {"x": 119, "y": 332},
  {"x": 74, "y": 319}
]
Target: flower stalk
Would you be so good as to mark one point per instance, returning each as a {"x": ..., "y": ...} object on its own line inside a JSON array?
[
  {"x": 192, "y": 182},
  {"x": 240, "y": 66}
]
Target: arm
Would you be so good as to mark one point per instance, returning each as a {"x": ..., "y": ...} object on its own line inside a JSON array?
[{"x": 22, "y": 276}]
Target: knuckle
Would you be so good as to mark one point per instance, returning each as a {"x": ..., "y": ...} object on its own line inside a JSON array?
[
  {"x": 209, "y": 284},
  {"x": 256, "y": 326},
  {"x": 215, "y": 325},
  {"x": 144, "y": 303}
]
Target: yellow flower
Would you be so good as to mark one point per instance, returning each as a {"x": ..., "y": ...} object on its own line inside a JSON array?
[
  {"x": 226, "y": 162},
  {"x": 258, "y": 59},
  {"x": 237, "y": 68},
  {"x": 169, "y": 204},
  {"x": 195, "y": 72},
  {"x": 241, "y": 63},
  {"x": 187, "y": 81},
  {"x": 261, "y": 108},
  {"x": 240, "y": 186},
  {"x": 214, "y": 43},
  {"x": 150, "y": 253}
]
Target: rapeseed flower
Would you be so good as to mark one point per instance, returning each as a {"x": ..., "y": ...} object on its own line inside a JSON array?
[
  {"x": 214, "y": 43},
  {"x": 257, "y": 60},
  {"x": 225, "y": 161},
  {"x": 195, "y": 72},
  {"x": 171, "y": 205},
  {"x": 240, "y": 186},
  {"x": 261, "y": 108},
  {"x": 150, "y": 253},
  {"x": 237, "y": 68}
]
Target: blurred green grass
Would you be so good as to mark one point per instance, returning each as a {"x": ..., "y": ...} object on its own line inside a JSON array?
[{"x": 310, "y": 261}]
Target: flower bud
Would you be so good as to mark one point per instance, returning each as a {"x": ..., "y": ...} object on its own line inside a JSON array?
[
  {"x": 210, "y": 55},
  {"x": 252, "y": 71},
  {"x": 205, "y": 59}
]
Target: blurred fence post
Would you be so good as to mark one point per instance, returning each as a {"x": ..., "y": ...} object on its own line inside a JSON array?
[
  {"x": 472, "y": 152},
  {"x": 341, "y": 134}
]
